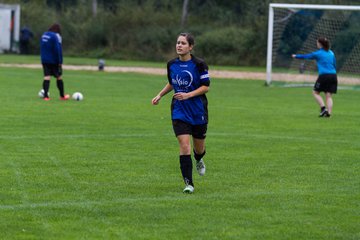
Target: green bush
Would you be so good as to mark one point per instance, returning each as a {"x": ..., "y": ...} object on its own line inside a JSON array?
[
  {"x": 227, "y": 46},
  {"x": 227, "y": 32}
]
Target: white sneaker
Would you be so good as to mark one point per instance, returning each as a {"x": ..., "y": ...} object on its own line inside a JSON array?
[
  {"x": 200, "y": 167},
  {"x": 188, "y": 189}
]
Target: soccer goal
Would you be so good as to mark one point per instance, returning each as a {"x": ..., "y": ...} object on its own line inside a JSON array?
[{"x": 294, "y": 28}]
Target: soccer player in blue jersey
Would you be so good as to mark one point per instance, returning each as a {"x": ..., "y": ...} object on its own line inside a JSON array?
[
  {"x": 327, "y": 80},
  {"x": 189, "y": 79},
  {"x": 52, "y": 59}
]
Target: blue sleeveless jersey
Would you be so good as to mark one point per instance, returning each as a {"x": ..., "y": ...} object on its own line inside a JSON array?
[{"x": 186, "y": 77}]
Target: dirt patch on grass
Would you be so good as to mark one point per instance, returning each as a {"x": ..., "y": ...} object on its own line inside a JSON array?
[{"x": 213, "y": 73}]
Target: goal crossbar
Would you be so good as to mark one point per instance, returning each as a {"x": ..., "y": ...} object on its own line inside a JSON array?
[{"x": 314, "y": 6}]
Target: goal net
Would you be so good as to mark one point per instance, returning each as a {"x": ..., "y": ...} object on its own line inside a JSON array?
[{"x": 294, "y": 28}]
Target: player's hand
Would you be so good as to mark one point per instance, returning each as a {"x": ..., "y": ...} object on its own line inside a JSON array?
[
  {"x": 156, "y": 100},
  {"x": 181, "y": 96},
  {"x": 293, "y": 55}
]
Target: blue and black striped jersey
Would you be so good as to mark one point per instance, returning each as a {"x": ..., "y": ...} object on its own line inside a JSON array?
[{"x": 186, "y": 77}]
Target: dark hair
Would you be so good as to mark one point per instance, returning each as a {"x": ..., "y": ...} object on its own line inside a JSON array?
[
  {"x": 325, "y": 43},
  {"x": 189, "y": 38},
  {"x": 55, "y": 28}
]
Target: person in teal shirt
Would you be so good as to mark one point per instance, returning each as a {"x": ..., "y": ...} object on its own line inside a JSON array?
[{"x": 327, "y": 80}]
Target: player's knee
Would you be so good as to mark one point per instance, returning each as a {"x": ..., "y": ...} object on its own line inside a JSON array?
[
  {"x": 199, "y": 150},
  {"x": 328, "y": 94},
  {"x": 185, "y": 148}
]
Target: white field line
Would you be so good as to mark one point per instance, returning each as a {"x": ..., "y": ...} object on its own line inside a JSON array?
[
  {"x": 71, "y": 181},
  {"x": 66, "y": 174},
  {"x": 285, "y": 77},
  {"x": 24, "y": 196},
  {"x": 151, "y": 135},
  {"x": 87, "y": 204},
  {"x": 20, "y": 183},
  {"x": 12, "y": 137}
]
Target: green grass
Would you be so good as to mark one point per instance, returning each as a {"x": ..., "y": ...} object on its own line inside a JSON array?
[
  {"x": 35, "y": 59},
  {"x": 108, "y": 168}
]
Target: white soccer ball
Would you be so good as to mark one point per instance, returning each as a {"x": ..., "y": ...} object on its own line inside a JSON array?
[
  {"x": 42, "y": 92},
  {"x": 77, "y": 96}
]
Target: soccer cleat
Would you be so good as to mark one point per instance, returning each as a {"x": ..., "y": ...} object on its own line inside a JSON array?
[
  {"x": 188, "y": 189},
  {"x": 327, "y": 114},
  {"x": 46, "y": 99},
  {"x": 65, "y": 97},
  {"x": 323, "y": 113},
  {"x": 200, "y": 167}
]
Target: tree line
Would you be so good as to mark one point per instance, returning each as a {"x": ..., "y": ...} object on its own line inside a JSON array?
[{"x": 227, "y": 32}]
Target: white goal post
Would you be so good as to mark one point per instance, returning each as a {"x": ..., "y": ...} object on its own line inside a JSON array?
[{"x": 291, "y": 10}]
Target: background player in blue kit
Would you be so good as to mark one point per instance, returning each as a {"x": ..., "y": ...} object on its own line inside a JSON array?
[
  {"x": 52, "y": 59},
  {"x": 188, "y": 77},
  {"x": 327, "y": 80}
]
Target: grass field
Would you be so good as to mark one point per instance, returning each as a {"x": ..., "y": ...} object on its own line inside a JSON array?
[{"x": 108, "y": 168}]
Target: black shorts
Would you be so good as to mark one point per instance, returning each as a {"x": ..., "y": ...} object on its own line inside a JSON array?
[
  {"x": 326, "y": 83},
  {"x": 197, "y": 131},
  {"x": 52, "y": 70}
]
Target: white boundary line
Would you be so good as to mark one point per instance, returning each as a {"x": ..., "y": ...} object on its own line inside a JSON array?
[{"x": 170, "y": 134}]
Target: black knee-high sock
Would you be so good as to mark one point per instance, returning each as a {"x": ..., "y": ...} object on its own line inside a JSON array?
[
  {"x": 46, "y": 86},
  {"x": 198, "y": 157},
  {"x": 186, "y": 169},
  {"x": 60, "y": 85}
]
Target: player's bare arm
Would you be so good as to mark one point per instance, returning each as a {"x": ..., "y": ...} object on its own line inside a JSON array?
[{"x": 168, "y": 88}]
